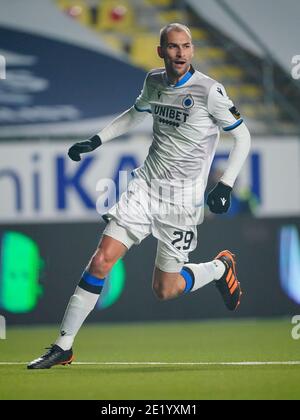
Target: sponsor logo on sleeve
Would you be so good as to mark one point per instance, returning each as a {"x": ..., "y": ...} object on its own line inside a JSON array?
[{"x": 235, "y": 112}]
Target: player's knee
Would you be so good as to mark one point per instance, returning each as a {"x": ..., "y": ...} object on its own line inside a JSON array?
[
  {"x": 160, "y": 290},
  {"x": 101, "y": 263}
]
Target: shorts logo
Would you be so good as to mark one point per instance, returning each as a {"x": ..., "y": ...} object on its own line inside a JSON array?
[{"x": 188, "y": 102}]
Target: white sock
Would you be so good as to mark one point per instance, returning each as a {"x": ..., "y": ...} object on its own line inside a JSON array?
[
  {"x": 79, "y": 307},
  {"x": 205, "y": 273}
]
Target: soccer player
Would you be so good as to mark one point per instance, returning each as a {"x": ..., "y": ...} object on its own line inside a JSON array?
[{"x": 188, "y": 108}]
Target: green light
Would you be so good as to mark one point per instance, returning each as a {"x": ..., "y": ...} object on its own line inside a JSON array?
[
  {"x": 19, "y": 275},
  {"x": 114, "y": 286}
]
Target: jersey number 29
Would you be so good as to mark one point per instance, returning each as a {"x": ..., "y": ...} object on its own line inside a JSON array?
[{"x": 186, "y": 237}]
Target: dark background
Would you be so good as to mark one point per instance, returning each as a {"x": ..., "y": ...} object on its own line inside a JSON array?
[{"x": 66, "y": 248}]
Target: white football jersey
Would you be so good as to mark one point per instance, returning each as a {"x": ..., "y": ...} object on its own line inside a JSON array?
[{"x": 186, "y": 121}]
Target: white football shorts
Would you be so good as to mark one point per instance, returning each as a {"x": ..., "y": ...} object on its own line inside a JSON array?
[{"x": 138, "y": 214}]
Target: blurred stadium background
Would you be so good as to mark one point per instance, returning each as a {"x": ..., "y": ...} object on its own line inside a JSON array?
[{"x": 71, "y": 66}]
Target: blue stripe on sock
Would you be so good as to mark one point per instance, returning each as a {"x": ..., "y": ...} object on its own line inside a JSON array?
[
  {"x": 188, "y": 280},
  {"x": 92, "y": 280}
]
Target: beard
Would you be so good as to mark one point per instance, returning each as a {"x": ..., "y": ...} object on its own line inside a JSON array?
[{"x": 177, "y": 72}]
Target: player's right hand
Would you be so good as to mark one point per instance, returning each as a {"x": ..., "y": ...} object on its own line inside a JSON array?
[{"x": 84, "y": 147}]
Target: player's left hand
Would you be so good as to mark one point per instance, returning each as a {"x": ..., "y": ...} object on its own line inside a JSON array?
[{"x": 218, "y": 200}]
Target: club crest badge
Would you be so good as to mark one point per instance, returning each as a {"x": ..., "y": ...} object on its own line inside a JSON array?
[{"x": 188, "y": 102}]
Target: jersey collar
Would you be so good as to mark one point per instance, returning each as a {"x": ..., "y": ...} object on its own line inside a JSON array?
[{"x": 185, "y": 79}]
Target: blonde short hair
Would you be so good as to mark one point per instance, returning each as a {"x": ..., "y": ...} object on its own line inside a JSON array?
[{"x": 179, "y": 27}]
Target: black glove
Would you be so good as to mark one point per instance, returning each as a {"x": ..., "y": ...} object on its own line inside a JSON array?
[
  {"x": 218, "y": 200},
  {"x": 84, "y": 147}
]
